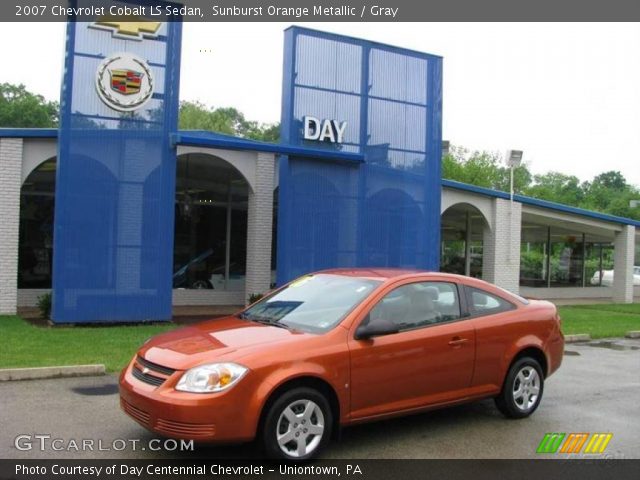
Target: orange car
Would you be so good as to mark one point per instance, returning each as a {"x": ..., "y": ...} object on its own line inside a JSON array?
[{"x": 341, "y": 347}]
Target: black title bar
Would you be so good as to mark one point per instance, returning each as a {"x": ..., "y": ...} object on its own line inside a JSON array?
[{"x": 323, "y": 10}]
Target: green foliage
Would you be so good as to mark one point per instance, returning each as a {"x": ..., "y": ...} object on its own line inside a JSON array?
[
  {"x": 44, "y": 305},
  {"x": 608, "y": 192},
  {"x": 20, "y": 108},
  {"x": 197, "y": 116},
  {"x": 254, "y": 297},
  {"x": 484, "y": 169}
]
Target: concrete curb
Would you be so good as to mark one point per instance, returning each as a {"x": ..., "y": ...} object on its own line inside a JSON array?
[
  {"x": 39, "y": 373},
  {"x": 632, "y": 334},
  {"x": 580, "y": 337}
]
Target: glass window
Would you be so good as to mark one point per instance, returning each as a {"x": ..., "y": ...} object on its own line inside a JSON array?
[
  {"x": 418, "y": 304},
  {"x": 534, "y": 255},
  {"x": 313, "y": 303},
  {"x": 485, "y": 303},
  {"x": 35, "y": 255},
  {"x": 210, "y": 225}
]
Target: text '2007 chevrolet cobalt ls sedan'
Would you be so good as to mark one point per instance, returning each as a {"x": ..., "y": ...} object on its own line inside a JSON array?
[{"x": 341, "y": 347}]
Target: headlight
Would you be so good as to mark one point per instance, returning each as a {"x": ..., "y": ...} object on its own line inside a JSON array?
[{"x": 212, "y": 377}]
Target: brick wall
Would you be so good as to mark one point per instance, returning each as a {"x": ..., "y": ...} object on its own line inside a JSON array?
[
  {"x": 501, "y": 249},
  {"x": 259, "y": 229},
  {"x": 10, "y": 174},
  {"x": 623, "y": 259}
]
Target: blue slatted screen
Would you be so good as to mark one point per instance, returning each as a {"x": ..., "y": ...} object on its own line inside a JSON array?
[{"x": 386, "y": 211}]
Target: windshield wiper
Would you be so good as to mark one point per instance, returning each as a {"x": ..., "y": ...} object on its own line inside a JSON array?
[
  {"x": 269, "y": 321},
  {"x": 263, "y": 320}
]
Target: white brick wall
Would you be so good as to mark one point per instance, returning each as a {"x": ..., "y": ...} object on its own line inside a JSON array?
[
  {"x": 624, "y": 252},
  {"x": 501, "y": 249},
  {"x": 259, "y": 228},
  {"x": 10, "y": 174}
]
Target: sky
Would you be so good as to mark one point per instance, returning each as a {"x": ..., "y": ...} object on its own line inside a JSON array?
[{"x": 567, "y": 94}]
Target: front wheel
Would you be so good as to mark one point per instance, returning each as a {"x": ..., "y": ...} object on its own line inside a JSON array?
[
  {"x": 522, "y": 389},
  {"x": 297, "y": 425}
]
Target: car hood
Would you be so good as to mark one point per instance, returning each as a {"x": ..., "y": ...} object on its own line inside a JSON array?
[{"x": 225, "y": 338}]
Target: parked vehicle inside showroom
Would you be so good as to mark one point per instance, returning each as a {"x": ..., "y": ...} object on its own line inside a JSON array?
[
  {"x": 607, "y": 277},
  {"x": 341, "y": 347}
]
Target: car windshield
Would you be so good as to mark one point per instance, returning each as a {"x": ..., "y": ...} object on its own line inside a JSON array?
[{"x": 313, "y": 303}]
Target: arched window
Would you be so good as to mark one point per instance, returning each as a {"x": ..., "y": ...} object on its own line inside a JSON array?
[
  {"x": 37, "y": 198},
  {"x": 210, "y": 246}
]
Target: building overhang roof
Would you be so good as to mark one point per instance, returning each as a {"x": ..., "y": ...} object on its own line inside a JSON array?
[{"x": 205, "y": 139}]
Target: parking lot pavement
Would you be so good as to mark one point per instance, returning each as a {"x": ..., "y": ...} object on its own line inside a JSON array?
[{"x": 595, "y": 390}]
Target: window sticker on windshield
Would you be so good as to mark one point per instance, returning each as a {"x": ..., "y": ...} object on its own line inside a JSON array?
[
  {"x": 361, "y": 289},
  {"x": 300, "y": 281}
]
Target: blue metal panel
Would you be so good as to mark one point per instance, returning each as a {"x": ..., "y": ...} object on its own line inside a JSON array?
[
  {"x": 218, "y": 140},
  {"x": 385, "y": 211},
  {"x": 28, "y": 133},
  {"x": 115, "y": 186}
]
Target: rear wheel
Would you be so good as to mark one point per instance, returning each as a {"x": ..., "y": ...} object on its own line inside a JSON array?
[
  {"x": 522, "y": 389},
  {"x": 297, "y": 425}
]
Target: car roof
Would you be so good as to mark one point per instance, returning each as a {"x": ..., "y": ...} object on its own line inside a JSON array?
[
  {"x": 385, "y": 274},
  {"x": 373, "y": 273}
]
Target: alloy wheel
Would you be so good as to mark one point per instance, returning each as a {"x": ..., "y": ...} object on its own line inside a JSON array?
[{"x": 300, "y": 428}]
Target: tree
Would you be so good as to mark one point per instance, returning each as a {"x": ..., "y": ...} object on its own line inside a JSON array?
[
  {"x": 608, "y": 192},
  {"x": 557, "y": 187},
  {"x": 197, "y": 116},
  {"x": 20, "y": 108},
  {"x": 483, "y": 169}
]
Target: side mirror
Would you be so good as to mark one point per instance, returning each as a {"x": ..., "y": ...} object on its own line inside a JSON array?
[{"x": 379, "y": 327}]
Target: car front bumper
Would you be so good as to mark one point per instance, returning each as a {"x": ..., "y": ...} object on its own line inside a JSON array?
[{"x": 227, "y": 417}]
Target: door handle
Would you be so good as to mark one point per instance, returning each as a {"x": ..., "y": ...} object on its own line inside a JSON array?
[{"x": 457, "y": 341}]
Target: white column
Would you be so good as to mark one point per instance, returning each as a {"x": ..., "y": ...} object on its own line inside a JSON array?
[
  {"x": 10, "y": 175},
  {"x": 624, "y": 246},
  {"x": 501, "y": 246},
  {"x": 259, "y": 227}
]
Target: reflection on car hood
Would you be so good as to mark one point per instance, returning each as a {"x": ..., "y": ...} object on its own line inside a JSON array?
[{"x": 222, "y": 338}]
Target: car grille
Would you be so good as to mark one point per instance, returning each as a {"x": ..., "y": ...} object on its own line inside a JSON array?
[
  {"x": 154, "y": 366},
  {"x": 137, "y": 414},
  {"x": 149, "y": 372},
  {"x": 189, "y": 430},
  {"x": 169, "y": 427}
]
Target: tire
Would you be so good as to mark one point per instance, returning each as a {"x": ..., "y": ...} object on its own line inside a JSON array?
[
  {"x": 522, "y": 389},
  {"x": 297, "y": 425}
]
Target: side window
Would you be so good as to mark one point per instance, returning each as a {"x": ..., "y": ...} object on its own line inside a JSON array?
[
  {"x": 485, "y": 303},
  {"x": 418, "y": 304}
]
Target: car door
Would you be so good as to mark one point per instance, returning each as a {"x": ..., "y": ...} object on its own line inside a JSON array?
[
  {"x": 496, "y": 330},
  {"x": 429, "y": 361}
]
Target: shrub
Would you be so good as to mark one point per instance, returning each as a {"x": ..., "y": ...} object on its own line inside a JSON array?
[
  {"x": 44, "y": 304},
  {"x": 254, "y": 297}
]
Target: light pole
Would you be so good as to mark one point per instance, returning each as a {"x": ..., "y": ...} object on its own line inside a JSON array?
[{"x": 514, "y": 159}]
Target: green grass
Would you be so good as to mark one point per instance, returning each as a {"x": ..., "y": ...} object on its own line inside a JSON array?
[
  {"x": 26, "y": 345},
  {"x": 600, "y": 321}
]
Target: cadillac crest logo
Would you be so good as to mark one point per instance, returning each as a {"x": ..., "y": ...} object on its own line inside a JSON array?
[{"x": 124, "y": 82}]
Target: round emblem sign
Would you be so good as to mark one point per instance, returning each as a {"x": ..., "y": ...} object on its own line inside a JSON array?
[{"x": 124, "y": 82}]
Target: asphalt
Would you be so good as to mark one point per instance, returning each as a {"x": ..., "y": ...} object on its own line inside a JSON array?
[{"x": 596, "y": 390}]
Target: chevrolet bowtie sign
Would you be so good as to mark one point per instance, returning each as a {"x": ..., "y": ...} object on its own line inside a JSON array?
[
  {"x": 127, "y": 30},
  {"x": 324, "y": 130}
]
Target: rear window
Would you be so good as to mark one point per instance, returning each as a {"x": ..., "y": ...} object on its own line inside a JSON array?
[{"x": 485, "y": 303}]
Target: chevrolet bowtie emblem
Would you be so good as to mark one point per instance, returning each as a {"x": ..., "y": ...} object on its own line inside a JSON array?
[{"x": 127, "y": 30}]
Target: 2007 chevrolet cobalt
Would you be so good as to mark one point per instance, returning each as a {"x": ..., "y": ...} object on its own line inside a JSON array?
[{"x": 341, "y": 347}]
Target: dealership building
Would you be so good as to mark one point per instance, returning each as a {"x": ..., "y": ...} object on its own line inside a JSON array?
[{"x": 123, "y": 216}]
